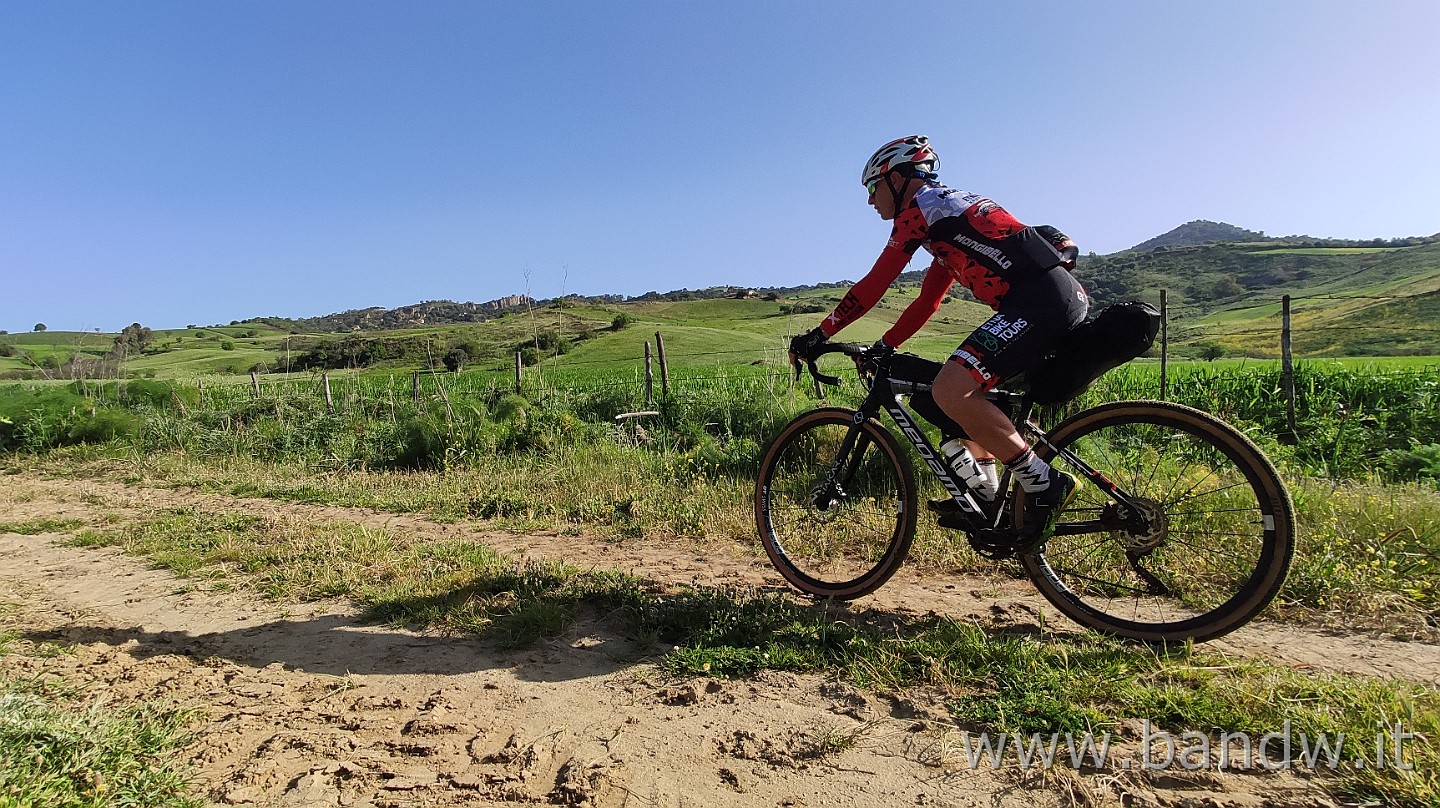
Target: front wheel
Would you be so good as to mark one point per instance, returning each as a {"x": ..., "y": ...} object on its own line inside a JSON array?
[
  {"x": 1204, "y": 545},
  {"x": 836, "y": 520}
]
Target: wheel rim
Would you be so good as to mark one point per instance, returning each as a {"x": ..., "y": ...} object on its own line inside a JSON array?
[
  {"x": 832, "y": 531},
  {"x": 1198, "y": 547}
]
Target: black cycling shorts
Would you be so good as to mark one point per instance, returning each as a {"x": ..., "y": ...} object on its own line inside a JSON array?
[{"x": 1030, "y": 318}]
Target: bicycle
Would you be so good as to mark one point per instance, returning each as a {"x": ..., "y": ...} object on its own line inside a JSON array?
[{"x": 1180, "y": 529}]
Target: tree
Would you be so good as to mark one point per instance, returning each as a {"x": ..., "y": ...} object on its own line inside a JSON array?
[
  {"x": 132, "y": 339},
  {"x": 1210, "y": 351},
  {"x": 39, "y": 326},
  {"x": 1228, "y": 286},
  {"x": 455, "y": 360}
]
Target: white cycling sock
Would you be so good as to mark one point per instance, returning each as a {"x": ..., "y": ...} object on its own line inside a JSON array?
[{"x": 1032, "y": 472}]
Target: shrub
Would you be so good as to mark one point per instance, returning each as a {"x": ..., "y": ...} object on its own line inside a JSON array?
[
  {"x": 621, "y": 320},
  {"x": 227, "y": 345},
  {"x": 803, "y": 308},
  {"x": 455, "y": 360},
  {"x": 57, "y": 417},
  {"x": 1421, "y": 462},
  {"x": 6, "y": 349}
]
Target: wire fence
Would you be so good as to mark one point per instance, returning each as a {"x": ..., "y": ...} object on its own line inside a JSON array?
[{"x": 651, "y": 377}]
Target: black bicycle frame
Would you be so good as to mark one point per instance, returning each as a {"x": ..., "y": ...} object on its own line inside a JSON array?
[{"x": 887, "y": 394}]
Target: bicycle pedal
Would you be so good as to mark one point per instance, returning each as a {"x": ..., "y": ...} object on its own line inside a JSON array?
[
  {"x": 954, "y": 520},
  {"x": 994, "y": 544}
]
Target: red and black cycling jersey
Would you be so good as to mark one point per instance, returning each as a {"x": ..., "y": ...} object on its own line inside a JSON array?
[{"x": 971, "y": 239}]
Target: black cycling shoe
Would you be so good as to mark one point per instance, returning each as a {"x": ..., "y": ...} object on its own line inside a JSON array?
[
  {"x": 943, "y": 505},
  {"x": 1042, "y": 511}
]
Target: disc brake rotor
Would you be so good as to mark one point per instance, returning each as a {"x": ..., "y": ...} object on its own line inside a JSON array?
[{"x": 1140, "y": 531}]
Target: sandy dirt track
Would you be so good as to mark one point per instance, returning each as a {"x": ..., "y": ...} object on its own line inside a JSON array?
[{"x": 305, "y": 705}]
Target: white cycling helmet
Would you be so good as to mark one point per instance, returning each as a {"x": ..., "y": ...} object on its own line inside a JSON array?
[{"x": 913, "y": 150}]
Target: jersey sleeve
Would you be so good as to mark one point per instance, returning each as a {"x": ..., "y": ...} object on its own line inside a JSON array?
[
  {"x": 938, "y": 281},
  {"x": 905, "y": 238}
]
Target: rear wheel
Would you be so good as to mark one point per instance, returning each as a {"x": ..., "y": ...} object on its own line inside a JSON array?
[
  {"x": 835, "y": 525},
  {"x": 1207, "y": 545}
]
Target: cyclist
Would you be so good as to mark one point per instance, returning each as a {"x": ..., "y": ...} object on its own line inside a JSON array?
[{"x": 1021, "y": 272}]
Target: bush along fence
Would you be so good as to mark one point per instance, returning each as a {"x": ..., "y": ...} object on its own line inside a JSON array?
[{"x": 1354, "y": 423}]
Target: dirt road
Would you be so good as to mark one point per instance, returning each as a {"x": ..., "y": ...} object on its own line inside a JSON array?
[{"x": 306, "y": 705}]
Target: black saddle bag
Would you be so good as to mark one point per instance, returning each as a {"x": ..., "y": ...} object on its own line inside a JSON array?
[{"x": 1108, "y": 340}]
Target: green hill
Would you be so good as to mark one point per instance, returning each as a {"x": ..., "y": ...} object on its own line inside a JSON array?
[
  {"x": 1198, "y": 232},
  {"x": 1374, "y": 298}
]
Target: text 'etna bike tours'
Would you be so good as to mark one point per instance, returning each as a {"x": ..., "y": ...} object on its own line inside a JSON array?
[{"x": 1180, "y": 529}]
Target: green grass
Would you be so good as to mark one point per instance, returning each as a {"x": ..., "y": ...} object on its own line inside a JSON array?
[
  {"x": 63, "y": 751},
  {"x": 35, "y": 527},
  {"x": 1049, "y": 683},
  {"x": 61, "y": 748}
]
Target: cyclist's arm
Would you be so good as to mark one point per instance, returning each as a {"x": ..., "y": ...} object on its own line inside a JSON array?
[
  {"x": 867, "y": 291},
  {"x": 938, "y": 281},
  {"x": 905, "y": 239}
]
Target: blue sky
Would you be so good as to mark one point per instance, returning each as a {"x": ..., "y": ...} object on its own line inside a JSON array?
[{"x": 198, "y": 162}]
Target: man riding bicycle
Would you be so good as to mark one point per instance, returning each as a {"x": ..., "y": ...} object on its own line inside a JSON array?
[{"x": 1021, "y": 272}]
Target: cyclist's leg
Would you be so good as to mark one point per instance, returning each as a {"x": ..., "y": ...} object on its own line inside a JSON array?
[
  {"x": 1029, "y": 321},
  {"x": 959, "y": 392}
]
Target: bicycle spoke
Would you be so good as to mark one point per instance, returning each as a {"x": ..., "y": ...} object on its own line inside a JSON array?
[
  {"x": 850, "y": 546},
  {"x": 1199, "y": 565}
]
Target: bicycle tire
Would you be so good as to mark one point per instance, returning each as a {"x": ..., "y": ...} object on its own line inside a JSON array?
[
  {"x": 1202, "y": 480},
  {"x": 848, "y": 542}
]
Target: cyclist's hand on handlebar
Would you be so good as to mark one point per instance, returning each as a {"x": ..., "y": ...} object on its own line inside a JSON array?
[
  {"x": 802, "y": 347},
  {"x": 869, "y": 360},
  {"x": 877, "y": 351}
]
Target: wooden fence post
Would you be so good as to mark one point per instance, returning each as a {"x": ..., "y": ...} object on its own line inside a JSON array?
[
  {"x": 664, "y": 366},
  {"x": 415, "y": 387},
  {"x": 255, "y": 384},
  {"x": 518, "y": 365},
  {"x": 1287, "y": 369},
  {"x": 649, "y": 377},
  {"x": 1164, "y": 345},
  {"x": 325, "y": 380}
]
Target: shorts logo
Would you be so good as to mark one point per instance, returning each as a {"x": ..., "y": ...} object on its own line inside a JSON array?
[
  {"x": 974, "y": 363},
  {"x": 1004, "y": 330}
]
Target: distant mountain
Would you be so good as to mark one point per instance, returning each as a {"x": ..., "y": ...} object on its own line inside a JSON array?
[
  {"x": 1199, "y": 232},
  {"x": 1208, "y": 264}
]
